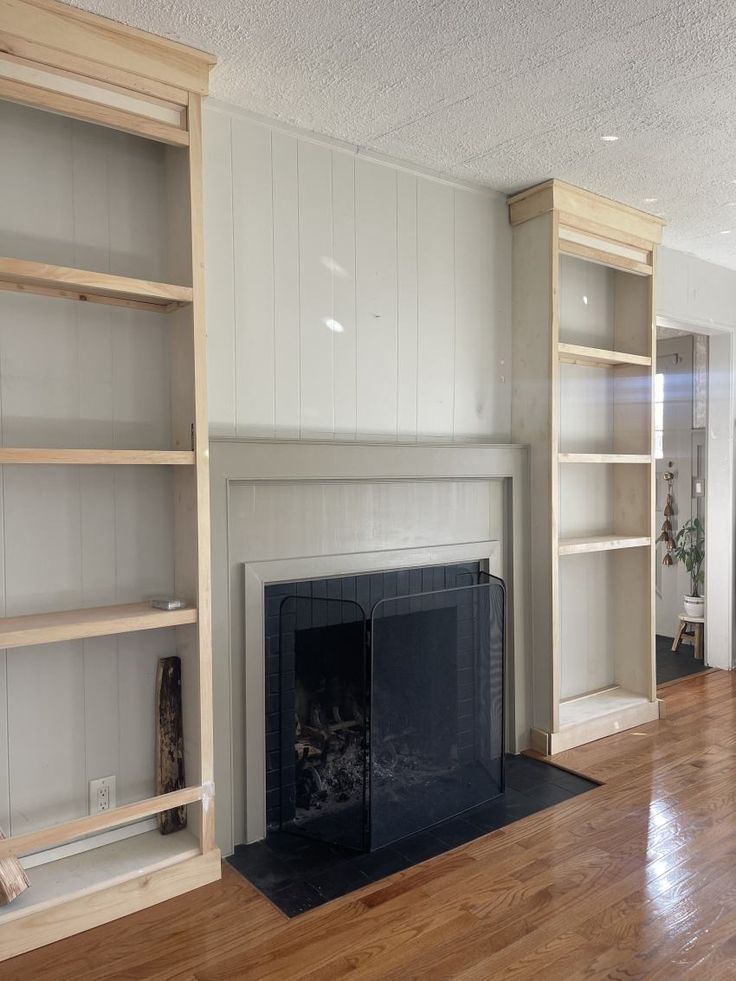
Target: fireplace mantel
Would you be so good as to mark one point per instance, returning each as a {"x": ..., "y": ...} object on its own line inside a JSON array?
[{"x": 288, "y": 510}]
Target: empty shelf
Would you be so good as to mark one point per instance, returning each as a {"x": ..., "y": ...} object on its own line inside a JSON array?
[
  {"x": 31, "y": 455},
  {"x": 604, "y": 458},
  {"x": 601, "y": 543},
  {"x": 98, "y": 868},
  {"x": 597, "y": 357},
  {"x": 609, "y": 702},
  {"x": 23, "y": 276},
  {"x": 100, "y": 621}
]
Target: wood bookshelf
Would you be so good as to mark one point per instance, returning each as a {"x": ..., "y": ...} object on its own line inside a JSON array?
[
  {"x": 583, "y": 271},
  {"x": 51, "y": 628},
  {"x": 23, "y": 276},
  {"x": 112, "y": 77},
  {"x": 30, "y": 456}
]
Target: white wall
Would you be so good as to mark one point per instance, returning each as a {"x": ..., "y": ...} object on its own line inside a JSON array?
[
  {"x": 76, "y": 374},
  {"x": 693, "y": 291},
  {"x": 416, "y": 271},
  {"x": 696, "y": 294}
]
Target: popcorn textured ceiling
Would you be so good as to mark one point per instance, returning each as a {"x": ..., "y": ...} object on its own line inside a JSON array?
[{"x": 504, "y": 92}]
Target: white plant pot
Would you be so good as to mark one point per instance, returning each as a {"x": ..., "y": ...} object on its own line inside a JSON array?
[{"x": 694, "y": 605}]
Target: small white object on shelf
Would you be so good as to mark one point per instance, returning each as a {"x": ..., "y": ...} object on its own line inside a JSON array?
[{"x": 167, "y": 603}]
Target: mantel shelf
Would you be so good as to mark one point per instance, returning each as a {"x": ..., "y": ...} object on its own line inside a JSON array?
[
  {"x": 601, "y": 543},
  {"x": 604, "y": 458},
  {"x": 23, "y": 276},
  {"x": 101, "y": 621},
  {"x": 599, "y": 358},
  {"x": 98, "y": 458}
]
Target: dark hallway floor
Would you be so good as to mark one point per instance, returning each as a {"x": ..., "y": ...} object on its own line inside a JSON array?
[{"x": 671, "y": 665}]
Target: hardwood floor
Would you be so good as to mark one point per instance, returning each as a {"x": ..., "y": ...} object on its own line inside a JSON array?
[{"x": 636, "y": 879}]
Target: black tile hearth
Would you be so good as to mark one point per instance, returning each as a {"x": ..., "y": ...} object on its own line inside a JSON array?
[{"x": 297, "y": 874}]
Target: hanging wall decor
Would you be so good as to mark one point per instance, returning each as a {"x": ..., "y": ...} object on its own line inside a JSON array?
[{"x": 666, "y": 536}]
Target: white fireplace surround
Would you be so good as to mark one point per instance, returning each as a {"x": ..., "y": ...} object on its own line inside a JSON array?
[{"x": 284, "y": 511}]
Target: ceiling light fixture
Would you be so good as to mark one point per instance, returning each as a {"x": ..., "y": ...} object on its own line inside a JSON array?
[
  {"x": 334, "y": 325},
  {"x": 609, "y": 139},
  {"x": 650, "y": 200}
]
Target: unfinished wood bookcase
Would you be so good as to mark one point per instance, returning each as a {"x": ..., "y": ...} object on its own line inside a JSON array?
[
  {"x": 58, "y": 61},
  {"x": 583, "y": 330}
]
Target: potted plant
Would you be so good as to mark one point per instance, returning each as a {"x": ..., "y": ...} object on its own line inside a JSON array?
[{"x": 690, "y": 550}]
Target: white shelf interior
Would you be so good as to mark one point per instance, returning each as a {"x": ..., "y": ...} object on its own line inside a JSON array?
[
  {"x": 592, "y": 300},
  {"x": 604, "y": 620},
  {"x": 98, "y": 868},
  {"x": 597, "y": 705}
]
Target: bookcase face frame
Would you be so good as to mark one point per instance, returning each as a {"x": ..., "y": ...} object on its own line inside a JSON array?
[
  {"x": 61, "y": 62},
  {"x": 584, "y": 274}
]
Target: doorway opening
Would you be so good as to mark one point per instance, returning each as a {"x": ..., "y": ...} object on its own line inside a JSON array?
[{"x": 680, "y": 425}]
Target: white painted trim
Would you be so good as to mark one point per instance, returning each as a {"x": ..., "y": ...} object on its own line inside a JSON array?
[{"x": 353, "y": 149}]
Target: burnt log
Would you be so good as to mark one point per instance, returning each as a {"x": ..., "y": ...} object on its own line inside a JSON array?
[{"x": 169, "y": 741}]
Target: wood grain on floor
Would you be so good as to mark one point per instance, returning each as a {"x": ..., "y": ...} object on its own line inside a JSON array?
[{"x": 634, "y": 879}]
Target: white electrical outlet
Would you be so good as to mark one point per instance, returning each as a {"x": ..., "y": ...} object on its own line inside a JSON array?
[{"x": 101, "y": 795}]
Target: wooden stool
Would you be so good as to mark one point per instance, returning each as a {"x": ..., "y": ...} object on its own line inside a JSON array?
[{"x": 695, "y": 638}]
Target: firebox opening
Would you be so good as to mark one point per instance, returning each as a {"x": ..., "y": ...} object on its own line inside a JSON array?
[{"x": 389, "y": 721}]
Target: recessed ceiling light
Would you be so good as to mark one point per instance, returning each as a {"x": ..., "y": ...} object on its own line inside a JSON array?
[
  {"x": 726, "y": 231},
  {"x": 650, "y": 200},
  {"x": 609, "y": 139},
  {"x": 731, "y": 204},
  {"x": 334, "y": 325}
]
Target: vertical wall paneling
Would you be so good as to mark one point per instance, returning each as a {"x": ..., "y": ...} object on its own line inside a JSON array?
[
  {"x": 436, "y": 360},
  {"x": 4, "y": 748},
  {"x": 47, "y": 765},
  {"x": 472, "y": 383},
  {"x": 377, "y": 300},
  {"x": 286, "y": 284},
  {"x": 376, "y": 280},
  {"x": 254, "y": 285},
  {"x": 218, "y": 241},
  {"x": 406, "y": 243},
  {"x": 317, "y": 415},
  {"x": 345, "y": 333}
]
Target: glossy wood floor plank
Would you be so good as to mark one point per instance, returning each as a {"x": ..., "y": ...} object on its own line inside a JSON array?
[{"x": 631, "y": 880}]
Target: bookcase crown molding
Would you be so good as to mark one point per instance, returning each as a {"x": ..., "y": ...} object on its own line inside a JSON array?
[{"x": 587, "y": 212}]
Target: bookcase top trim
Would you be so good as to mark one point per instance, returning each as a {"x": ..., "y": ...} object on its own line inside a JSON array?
[
  {"x": 588, "y": 211},
  {"x": 63, "y": 37}
]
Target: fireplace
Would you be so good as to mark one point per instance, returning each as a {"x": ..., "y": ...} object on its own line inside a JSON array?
[{"x": 384, "y": 702}]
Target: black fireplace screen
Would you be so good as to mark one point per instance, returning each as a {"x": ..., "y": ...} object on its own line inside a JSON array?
[{"x": 391, "y": 719}]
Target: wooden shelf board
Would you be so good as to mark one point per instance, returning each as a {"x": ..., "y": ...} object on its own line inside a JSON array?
[
  {"x": 24, "y": 276},
  {"x": 601, "y": 543},
  {"x": 49, "y": 628},
  {"x": 66, "y": 878},
  {"x": 95, "y": 458},
  {"x": 597, "y": 357},
  {"x": 604, "y": 458}
]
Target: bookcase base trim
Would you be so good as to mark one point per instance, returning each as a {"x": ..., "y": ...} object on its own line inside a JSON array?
[
  {"x": 46, "y": 923},
  {"x": 578, "y": 734}
]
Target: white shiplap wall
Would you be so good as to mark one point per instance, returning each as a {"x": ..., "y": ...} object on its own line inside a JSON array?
[
  {"x": 74, "y": 374},
  {"x": 301, "y": 235}
]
